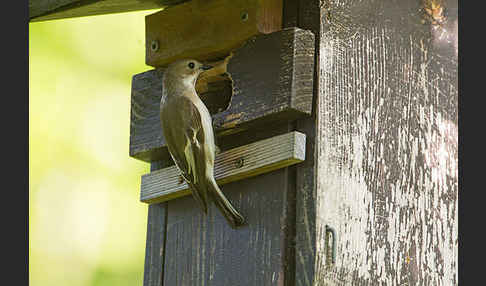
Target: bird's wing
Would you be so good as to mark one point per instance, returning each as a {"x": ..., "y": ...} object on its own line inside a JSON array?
[{"x": 185, "y": 142}]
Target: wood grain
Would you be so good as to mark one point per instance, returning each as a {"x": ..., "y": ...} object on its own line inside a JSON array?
[
  {"x": 43, "y": 10},
  {"x": 236, "y": 164},
  {"x": 155, "y": 244},
  {"x": 204, "y": 250},
  {"x": 387, "y": 157},
  {"x": 307, "y": 15},
  {"x": 207, "y": 30},
  {"x": 381, "y": 166},
  {"x": 272, "y": 77}
]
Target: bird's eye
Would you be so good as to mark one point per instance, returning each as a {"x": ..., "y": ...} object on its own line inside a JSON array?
[{"x": 191, "y": 65}]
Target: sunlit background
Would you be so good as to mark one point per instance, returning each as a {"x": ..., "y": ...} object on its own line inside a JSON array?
[{"x": 86, "y": 223}]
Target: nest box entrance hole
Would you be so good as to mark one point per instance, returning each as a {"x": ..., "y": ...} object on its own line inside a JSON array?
[{"x": 215, "y": 86}]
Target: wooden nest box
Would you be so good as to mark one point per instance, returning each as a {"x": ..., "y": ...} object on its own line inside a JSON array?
[{"x": 337, "y": 122}]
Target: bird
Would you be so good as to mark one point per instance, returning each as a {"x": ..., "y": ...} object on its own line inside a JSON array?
[{"x": 188, "y": 131}]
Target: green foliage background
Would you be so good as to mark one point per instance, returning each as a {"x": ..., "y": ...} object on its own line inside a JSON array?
[{"x": 86, "y": 224}]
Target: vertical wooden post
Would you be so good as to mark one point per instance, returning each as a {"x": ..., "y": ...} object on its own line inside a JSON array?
[
  {"x": 306, "y": 14},
  {"x": 387, "y": 144}
]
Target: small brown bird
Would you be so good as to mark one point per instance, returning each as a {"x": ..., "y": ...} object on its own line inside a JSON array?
[{"x": 188, "y": 131}]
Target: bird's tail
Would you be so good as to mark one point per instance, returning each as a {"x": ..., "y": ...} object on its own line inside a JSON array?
[{"x": 233, "y": 217}]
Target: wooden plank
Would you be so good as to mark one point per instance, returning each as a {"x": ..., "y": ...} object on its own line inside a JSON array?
[
  {"x": 207, "y": 30},
  {"x": 155, "y": 244},
  {"x": 279, "y": 89},
  {"x": 236, "y": 164},
  {"x": 308, "y": 16},
  {"x": 204, "y": 250},
  {"x": 387, "y": 158},
  {"x": 43, "y": 10}
]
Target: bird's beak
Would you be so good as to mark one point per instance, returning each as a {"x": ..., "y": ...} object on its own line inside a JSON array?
[{"x": 206, "y": 67}]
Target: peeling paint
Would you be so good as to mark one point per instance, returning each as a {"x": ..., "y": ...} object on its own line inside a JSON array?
[{"x": 387, "y": 159}]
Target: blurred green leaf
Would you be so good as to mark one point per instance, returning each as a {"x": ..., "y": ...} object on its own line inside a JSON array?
[{"x": 86, "y": 223}]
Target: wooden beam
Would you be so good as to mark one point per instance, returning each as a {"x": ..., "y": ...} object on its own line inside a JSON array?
[
  {"x": 236, "y": 164},
  {"x": 387, "y": 113},
  {"x": 306, "y": 14},
  {"x": 272, "y": 79},
  {"x": 202, "y": 249},
  {"x": 207, "y": 30},
  {"x": 154, "y": 248},
  {"x": 42, "y": 10}
]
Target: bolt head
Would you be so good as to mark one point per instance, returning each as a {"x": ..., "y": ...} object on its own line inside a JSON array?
[
  {"x": 239, "y": 163},
  {"x": 244, "y": 16},
  {"x": 154, "y": 45}
]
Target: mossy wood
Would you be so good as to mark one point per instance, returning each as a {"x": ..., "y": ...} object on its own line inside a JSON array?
[
  {"x": 272, "y": 80},
  {"x": 207, "y": 30},
  {"x": 235, "y": 164},
  {"x": 43, "y": 10}
]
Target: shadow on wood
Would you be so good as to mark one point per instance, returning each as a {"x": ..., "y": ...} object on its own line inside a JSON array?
[{"x": 272, "y": 81}]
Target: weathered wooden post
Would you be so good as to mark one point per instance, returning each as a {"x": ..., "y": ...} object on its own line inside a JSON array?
[{"x": 337, "y": 122}]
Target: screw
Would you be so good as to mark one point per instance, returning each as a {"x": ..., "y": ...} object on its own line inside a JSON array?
[
  {"x": 239, "y": 163},
  {"x": 244, "y": 16},
  {"x": 154, "y": 46}
]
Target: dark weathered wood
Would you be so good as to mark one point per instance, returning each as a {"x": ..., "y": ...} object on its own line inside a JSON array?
[
  {"x": 155, "y": 243},
  {"x": 272, "y": 81},
  {"x": 206, "y": 30},
  {"x": 307, "y": 15},
  {"x": 387, "y": 134},
  {"x": 204, "y": 250},
  {"x": 42, "y": 10},
  {"x": 154, "y": 249},
  {"x": 236, "y": 164}
]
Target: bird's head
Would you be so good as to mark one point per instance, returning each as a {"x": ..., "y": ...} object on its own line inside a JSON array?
[{"x": 186, "y": 70}]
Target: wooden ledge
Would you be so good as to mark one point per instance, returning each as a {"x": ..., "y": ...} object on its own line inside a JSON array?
[{"x": 233, "y": 165}]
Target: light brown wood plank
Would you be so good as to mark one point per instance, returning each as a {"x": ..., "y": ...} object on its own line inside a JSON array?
[
  {"x": 257, "y": 158},
  {"x": 206, "y": 30}
]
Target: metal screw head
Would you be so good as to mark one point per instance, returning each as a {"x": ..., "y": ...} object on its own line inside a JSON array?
[
  {"x": 239, "y": 163},
  {"x": 154, "y": 46},
  {"x": 244, "y": 16}
]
